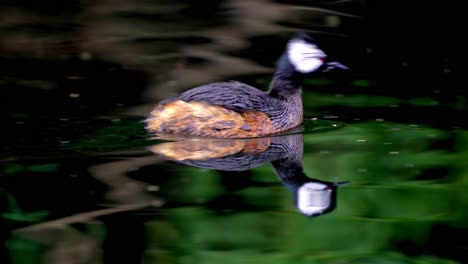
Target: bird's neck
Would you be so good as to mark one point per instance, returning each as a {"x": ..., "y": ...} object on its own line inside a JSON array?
[
  {"x": 286, "y": 82},
  {"x": 285, "y": 91},
  {"x": 289, "y": 151}
]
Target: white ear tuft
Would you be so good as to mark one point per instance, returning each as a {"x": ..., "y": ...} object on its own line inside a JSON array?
[{"x": 304, "y": 56}]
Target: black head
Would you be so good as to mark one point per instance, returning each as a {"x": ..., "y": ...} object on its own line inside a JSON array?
[
  {"x": 305, "y": 37},
  {"x": 306, "y": 57}
]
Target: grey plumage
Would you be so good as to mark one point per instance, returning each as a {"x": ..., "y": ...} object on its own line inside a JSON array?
[{"x": 232, "y": 95}]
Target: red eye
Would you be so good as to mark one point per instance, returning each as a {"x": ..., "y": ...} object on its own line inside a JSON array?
[{"x": 323, "y": 58}]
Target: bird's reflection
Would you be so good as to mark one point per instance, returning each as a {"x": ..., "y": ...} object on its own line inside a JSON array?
[{"x": 312, "y": 197}]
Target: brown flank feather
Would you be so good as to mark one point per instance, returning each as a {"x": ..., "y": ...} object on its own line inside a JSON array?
[{"x": 202, "y": 119}]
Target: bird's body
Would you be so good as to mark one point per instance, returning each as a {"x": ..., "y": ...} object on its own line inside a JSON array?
[
  {"x": 227, "y": 109},
  {"x": 237, "y": 110}
]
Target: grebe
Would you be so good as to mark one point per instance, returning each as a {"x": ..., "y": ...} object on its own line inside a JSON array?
[{"x": 236, "y": 110}]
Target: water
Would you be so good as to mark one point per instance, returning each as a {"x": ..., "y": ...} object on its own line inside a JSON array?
[{"x": 376, "y": 173}]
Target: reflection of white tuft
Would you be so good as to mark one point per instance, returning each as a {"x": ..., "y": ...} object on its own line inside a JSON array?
[
  {"x": 313, "y": 198},
  {"x": 305, "y": 57}
]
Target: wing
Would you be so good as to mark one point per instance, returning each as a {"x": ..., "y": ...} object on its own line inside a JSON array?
[{"x": 232, "y": 95}]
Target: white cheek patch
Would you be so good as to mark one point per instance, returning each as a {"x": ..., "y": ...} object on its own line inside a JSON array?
[
  {"x": 305, "y": 57},
  {"x": 313, "y": 198}
]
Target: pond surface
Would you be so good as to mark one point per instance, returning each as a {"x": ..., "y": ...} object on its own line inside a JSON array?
[{"x": 376, "y": 173}]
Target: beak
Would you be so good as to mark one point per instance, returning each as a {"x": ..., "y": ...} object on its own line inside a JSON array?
[{"x": 334, "y": 65}]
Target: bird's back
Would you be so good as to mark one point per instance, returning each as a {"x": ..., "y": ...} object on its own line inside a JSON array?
[
  {"x": 231, "y": 95},
  {"x": 226, "y": 109}
]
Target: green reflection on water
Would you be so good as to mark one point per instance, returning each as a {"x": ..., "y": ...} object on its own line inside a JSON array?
[
  {"x": 406, "y": 180},
  {"x": 398, "y": 196}
]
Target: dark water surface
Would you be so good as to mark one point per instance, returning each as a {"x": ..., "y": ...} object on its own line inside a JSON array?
[{"x": 377, "y": 173}]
